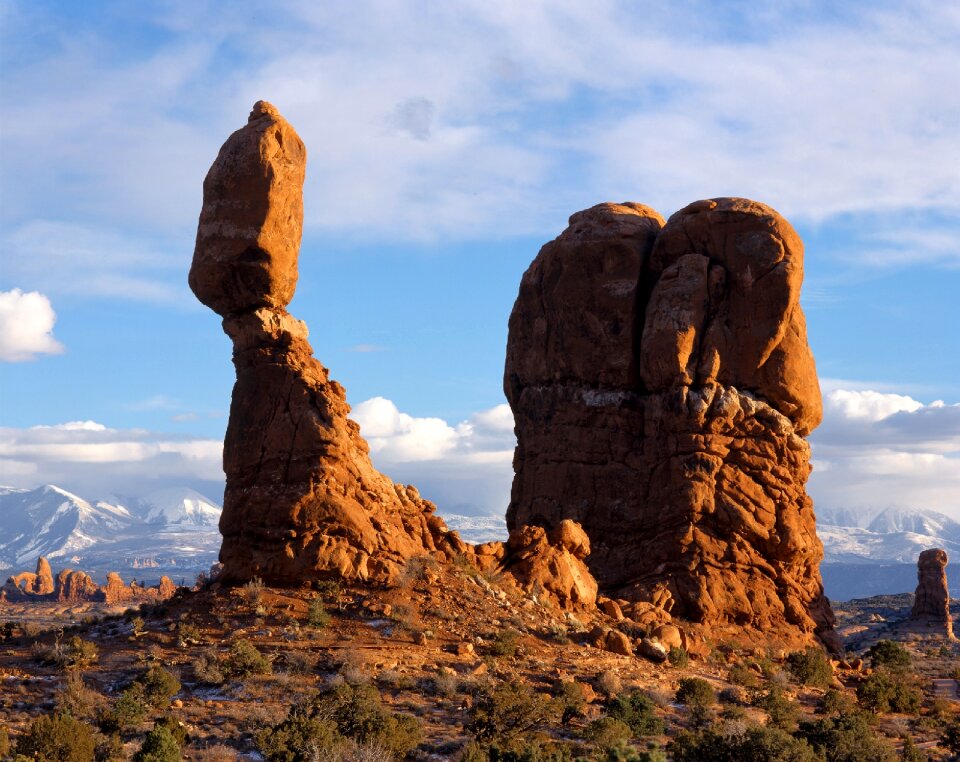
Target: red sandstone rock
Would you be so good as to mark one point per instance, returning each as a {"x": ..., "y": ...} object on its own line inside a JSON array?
[
  {"x": 553, "y": 565},
  {"x": 74, "y": 586},
  {"x": 43, "y": 584},
  {"x": 115, "y": 591},
  {"x": 166, "y": 589},
  {"x": 931, "y": 604},
  {"x": 302, "y": 499},
  {"x": 666, "y": 417}
]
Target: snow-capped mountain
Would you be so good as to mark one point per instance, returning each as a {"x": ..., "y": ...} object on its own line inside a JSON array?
[
  {"x": 179, "y": 506},
  {"x": 477, "y": 529},
  {"x": 49, "y": 521},
  {"x": 894, "y": 535},
  {"x": 173, "y": 529}
]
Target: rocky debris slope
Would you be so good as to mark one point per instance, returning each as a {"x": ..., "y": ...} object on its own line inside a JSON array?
[
  {"x": 662, "y": 383},
  {"x": 75, "y": 586},
  {"x": 931, "y": 603}
]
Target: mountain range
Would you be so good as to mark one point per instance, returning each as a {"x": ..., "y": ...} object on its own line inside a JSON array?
[{"x": 172, "y": 531}]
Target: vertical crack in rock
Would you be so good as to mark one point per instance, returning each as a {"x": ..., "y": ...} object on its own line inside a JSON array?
[
  {"x": 680, "y": 451},
  {"x": 302, "y": 499}
]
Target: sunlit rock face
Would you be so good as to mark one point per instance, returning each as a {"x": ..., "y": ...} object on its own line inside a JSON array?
[
  {"x": 662, "y": 384},
  {"x": 302, "y": 499},
  {"x": 931, "y": 604}
]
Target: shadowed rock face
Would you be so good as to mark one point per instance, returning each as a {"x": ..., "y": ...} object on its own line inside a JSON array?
[
  {"x": 661, "y": 383},
  {"x": 302, "y": 499},
  {"x": 931, "y": 604}
]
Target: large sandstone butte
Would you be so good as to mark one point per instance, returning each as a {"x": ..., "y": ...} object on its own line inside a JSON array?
[
  {"x": 662, "y": 384},
  {"x": 931, "y": 604},
  {"x": 302, "y": 499}
]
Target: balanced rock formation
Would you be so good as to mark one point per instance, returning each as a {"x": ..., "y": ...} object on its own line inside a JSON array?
[
  {"x": 661, "y": 383},
  {"x": 931, "y": 604},
  {"x": 302, "y": 499}
]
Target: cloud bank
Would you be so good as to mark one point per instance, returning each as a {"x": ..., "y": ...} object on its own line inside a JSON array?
[{"x": 26, "y": 326}]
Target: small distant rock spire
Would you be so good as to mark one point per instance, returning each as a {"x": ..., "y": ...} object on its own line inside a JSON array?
[{"x": 931, "y": 604}]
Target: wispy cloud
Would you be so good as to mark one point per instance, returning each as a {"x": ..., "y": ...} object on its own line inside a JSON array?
[{"x": 482, "y": 119}]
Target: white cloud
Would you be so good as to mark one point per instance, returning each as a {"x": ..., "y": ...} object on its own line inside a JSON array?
[
  {"x": 465, "y": 469},
  {"x": 880, "y": 449},
  {"x": 93, "y": 459},
  {"x": 26, "y": 326}
]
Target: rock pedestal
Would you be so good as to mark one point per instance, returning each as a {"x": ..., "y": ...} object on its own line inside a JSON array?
[
  {"x": 662, "y": 384},
  {"x": 931, "y": 604},
  {"x": 302, "y": 499}
]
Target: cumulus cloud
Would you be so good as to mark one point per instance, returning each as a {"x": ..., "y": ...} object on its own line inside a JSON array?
[
  {"x": 465, "y": 468},
  {"x": 94, "y": 460},
  {"x": 880, "y": 449},
  {"x": 26, "y": 326}
]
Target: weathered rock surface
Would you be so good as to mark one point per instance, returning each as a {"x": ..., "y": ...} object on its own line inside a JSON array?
[
  {"x": 931, "y": 604},
  {"x": 76, "y": 586},
  {"x": 302, "y": 499},
  {"x": 661, "y": 384}
]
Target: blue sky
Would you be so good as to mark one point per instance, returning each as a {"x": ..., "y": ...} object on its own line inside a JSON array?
[{"x": 446, "y": 143}]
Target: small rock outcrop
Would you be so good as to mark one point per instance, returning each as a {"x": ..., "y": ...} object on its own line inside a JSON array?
[
  {"x": 662, "y": 384},
  {"x": 302, "y": 498},
  {"x": 76, "y": 587},
  {"x": 931, "y": 604}
]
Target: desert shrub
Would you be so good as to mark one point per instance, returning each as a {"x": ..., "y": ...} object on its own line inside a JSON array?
[
  {"x": 159, "y": 745},
  {"x": 636, "y": 711},
  {"x": 177, "y": 729},
  {"x": 609, "y": 683},
  {"x": 444, "y": 685},
  {"x": 910, "y": 753},
  {"x": 299, "y": 663},
  {"x": 810, "y": 667},
  {"x": 418, "y": 568},
  {"x": 76, "y": 699},
  {"x": 678, "y": 657},
  {"x": 848, "y": 738},
  {"x": 391, "y": 678},
  {"x": 253, "y": 591},
  {"x": 138, "y": 625},
  {"x": 506, "y": 710},
  {"x": 608, "y": 732},
  {"x": 159, "y": 686},
  {"x": 110, "y": 749},
  {"x": 695, "y": 691},
  {"x": 57, "y": 738},
  {"x": 950, "y": 738},
  {"x": 518, "y": 750},
  {"x": 741, "y": 674},
  {"x": 884, "y": 691},
  {"x": 188, "y": 634},
  {"x": 752, "y": 744},
  {"x": 505, "y": 643},
  {"x": 128, "y": 710},
  {"x": 317, "y": 615},
  {"x": 343, "y": 712},
  {"x": 244, "y": 660},
  {"x": 570, "y": 700},
  {"x": 836, "y": 702},
  {"x": 4, "y": 742},
  {"x": 207, "y": 668},
  {"x": 76, "y": 653},
  {"x": 781, "y": 711},
  {"x": 889, "y": 654}
]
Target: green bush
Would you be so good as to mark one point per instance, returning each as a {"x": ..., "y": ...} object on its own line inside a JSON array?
[
  {"x": 889, "y": 654},
  {"x": 781, "y": 711},
  {"x": 836, "y": 702},
  {"x": 317, "y": 615},
  {"x": 177, "y": 729},
  {"x": 695, "y": 691},
  {"x": 128, "y": 710},
  {"x": 608, "y": 732},
  {"x": 353, "y": 712},
  {"x": 885, "y": 691},
  {"x": 951, "y": 737},
  {"x": 741, "y": 674},
  {"x": 754, "y": 744},
  {"x": 207, "y": 668},
  {"x": 505, "y": 643},
  {"x": 848, "y": 738},
  {"x": 678, "y": 657},
  {"x": 244, "y": 660},
  {"x": 506, "y": 710},
  {"x": 518, "y": 750},
  {"x": 810, "y": 667},
  {"x": 636, "y": 711},
  {"x": 4, "y": 742},
  {"x": 57, "y": 738},
  {"x": 159, "y": 686},
  {"x": 570, "y": 700},
  {"x": 159, "y": 746}
]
